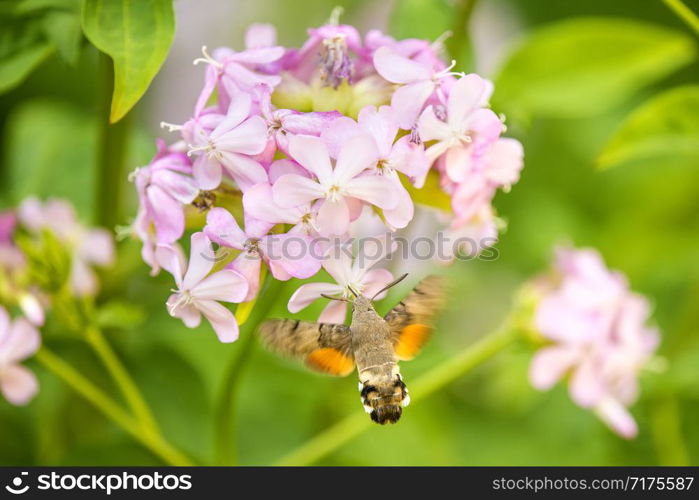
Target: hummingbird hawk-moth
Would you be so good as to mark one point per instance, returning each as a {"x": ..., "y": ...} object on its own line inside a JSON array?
[{"x": 371, "y": 343}]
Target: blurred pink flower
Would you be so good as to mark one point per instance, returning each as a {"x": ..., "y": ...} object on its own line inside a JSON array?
[
  {"x": 348, "y": 275},
  {"x": 88, "y": 246},
  {"x": 599, "y": 337},
  {"x": 286, "y": 255},
  {"x": 19, "y": 339},
  {"x": 334, "y": 186},
  {"x": 198, "y": 292}
]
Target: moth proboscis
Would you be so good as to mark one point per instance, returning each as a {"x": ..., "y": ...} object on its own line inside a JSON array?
[{"x": 372, "y": 344}]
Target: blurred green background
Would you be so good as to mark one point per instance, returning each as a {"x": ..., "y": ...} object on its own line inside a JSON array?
[{"x": 604, "y": 96}]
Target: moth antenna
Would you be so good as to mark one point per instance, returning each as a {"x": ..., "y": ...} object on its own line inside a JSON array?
[
  {"x": 334, "y": 298},
  {"x": 390, "y": 285}
]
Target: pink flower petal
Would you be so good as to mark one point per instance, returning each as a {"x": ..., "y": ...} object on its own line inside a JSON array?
[
  {"x": 375, "y": 280},
  {"x": 333, "y": 217},
  {"x": 432, "y": 128},
  {"x": 18, "y": 384},
  {"x": 464, "y": 97},
  {"x": 259, "y": 35},
  {"x": 334, "y": 312},
  {"x": 222, "y": 228},
  {"x": 400, "y": 216},
  {"x": 238, "y": 110},
  {"x": 292, "y": 253},
  {"x": 201, "y": 259},
  {"x": 549, "y": 365},
  {"x": 587, "y": 385},
  {"x": 505, "y": 161},
  {"x": 226, "y": 285},
  {"x": 171, "y": 258},
  {"x": 283, "y": 167},
  {"x": 356, "y": 155},
  {"x": 259, "y": 55},
  {"x": 409, "y": 100},
  {"x": 167, "y": 214},
  {"x": 293, "y": 190},
  {"x": 97, "y": 247},
  {"x": 617, "y": 417},
  {"x": 207, "y": 172},
  {"x": 22, "y": 341},
  {"x": 312, "y": 154},
  {"x": 398, "y": 69},
  {"x": 309, "y": 293},
  {"x": 246, "y": 171},
  {"x": 381, "y": 125},
  {"x": 222, "y": 320},
  {"x": 248, "y": 265},
  {"x": 189, "y": 314},
  {"x": 182, "y": 188},
  {"x": 258, "y": 201},
  {"x": 375, "y": 189},
  {"x": 250, "y": 137}
]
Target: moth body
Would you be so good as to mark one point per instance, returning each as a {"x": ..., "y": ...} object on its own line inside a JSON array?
[{"x": 383, "y": 392}]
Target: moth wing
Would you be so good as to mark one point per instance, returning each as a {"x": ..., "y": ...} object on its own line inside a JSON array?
[
  {"x": 411, "y": 321},
  {"x": 325, "y": 347}
]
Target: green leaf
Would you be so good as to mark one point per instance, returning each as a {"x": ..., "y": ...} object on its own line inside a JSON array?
[
  {"x": 427, "y": 19},
  {"x": 120, "y": 314},
  {"x": 137, "y": 36},
  {"x": 584, "y": 66},
  {"x": 63, "y": 29},
  {"x": 16, "y": 67},
  {"x": 666, "y": 126}
]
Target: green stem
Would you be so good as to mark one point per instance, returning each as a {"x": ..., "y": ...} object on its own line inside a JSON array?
[
  {"x": 684, "y": 13},
  {"x": 225, "y": 413},
  {"x": 112, "y": 151},
  {"x": 123, "y": 380},
  {"x": 459, "y": 45},
  {"x": 153, "y": 441},
  {"x": 667, "y": 433},
  {"x": 347, "y": 429}
]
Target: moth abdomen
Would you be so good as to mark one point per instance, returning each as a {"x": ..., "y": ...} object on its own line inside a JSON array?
[{"x": 384, "y": 401}]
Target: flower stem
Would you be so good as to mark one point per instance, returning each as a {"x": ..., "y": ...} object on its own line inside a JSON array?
[
  {"x": 684, "y": 13},
  {"x": 151, "y": 440},
  {"x": 667, "y": 432},
  {"x": 345, "y": 430},
  {"x": 121, "y": 377},
  {"x": 112, "y": 150},
  {"x": 459, "y": 45},
  {"x": 225, "y": 412}
]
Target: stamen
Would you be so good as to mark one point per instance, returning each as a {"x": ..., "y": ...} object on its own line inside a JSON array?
[
  {"x": 335, "y": 63},
  {"x": 194, "y": 149},
  {"x": 207, "y": 59},
  {"x": 438, "y": 44},
  {"x": 171, "y": 127},
  {"x": 334, "y": 18},
  {"x": 133, "y": 174},
  {"x": 184, "y": 299}
]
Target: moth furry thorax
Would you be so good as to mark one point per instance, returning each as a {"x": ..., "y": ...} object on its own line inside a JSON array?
[{"x": 373, "y": 344}]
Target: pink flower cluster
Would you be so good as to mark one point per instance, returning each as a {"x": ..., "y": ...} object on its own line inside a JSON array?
[
  {"x": 85, "y": 247},
  {"x": 312, "y": 138},
  {"x": 598, "y": 337}
]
